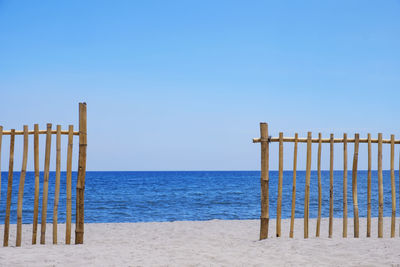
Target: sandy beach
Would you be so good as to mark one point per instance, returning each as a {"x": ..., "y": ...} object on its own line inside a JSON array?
[{"x": 205, "y": 243}]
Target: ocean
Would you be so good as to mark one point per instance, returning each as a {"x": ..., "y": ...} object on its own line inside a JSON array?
[{"x": 192, "y": 195}]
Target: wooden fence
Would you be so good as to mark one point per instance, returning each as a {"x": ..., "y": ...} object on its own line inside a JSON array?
[
  {"x": 80, "y": 186},
  {"x": 265, "y": 140}
]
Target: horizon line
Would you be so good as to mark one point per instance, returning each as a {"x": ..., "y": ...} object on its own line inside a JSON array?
[{"x": 195, "y": 170}]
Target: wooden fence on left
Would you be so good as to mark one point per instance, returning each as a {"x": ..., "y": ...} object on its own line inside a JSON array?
[{"x": 80, "y": 186}]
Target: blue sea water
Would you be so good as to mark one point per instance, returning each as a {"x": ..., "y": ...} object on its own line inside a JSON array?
[{"x": 191, "y": 195}]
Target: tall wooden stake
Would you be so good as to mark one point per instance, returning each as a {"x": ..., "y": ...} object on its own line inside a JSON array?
[
  {"x": 69, "y": 183},
  {"x": 354, "y": 185},
  {"x": 57, "y": 184},
  {"x": 80, "y": 186},
  {"x": 331, "y": 187},
  {"x": 318, "y": 230},
  {"x": 393, "y": 185},
  {"x": 380, "y": 187},
  {"x": 45, "y": 185},
  {"x": 296, "y": 136},
  {"x": 280, "y": 181},
  {"x": 307, "y": 189},
  {"x": 37, "y": 182},
  {"x": 344, "y": 185},
  {"x": 264, "y": 181},
  {"x": 369, "y": 189},
  {"x": 9, "y": 190},
  {"x": 21, "y": 187},
  {"x": 1, "y": 138}
]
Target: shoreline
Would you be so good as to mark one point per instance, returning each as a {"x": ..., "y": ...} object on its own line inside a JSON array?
[{"x": 205, "y": 243}]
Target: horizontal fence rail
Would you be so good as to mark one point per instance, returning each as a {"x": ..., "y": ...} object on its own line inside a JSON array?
[
  {"x": 38, "y": 132},
  {"x": 265, "y": 141},
  {"x": 49, "y": 132},
  {"x": 325, "y": 140}
]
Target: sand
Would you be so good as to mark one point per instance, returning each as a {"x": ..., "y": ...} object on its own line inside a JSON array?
[{"x": 205, "y": 243}]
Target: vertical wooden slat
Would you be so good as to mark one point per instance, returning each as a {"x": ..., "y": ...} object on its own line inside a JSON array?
[
  {"x": 369, "y": 188},
  {"x": 296, "y": 136},
  {"x": 280, "y": 181},
  {"x": 264, "y": 181},
  {"x": 318, "y": 230},
  {"x": 68, "y": 189},
  {"x": 345, "y": 185},
  {"x": 37, "y": 182},
  {"x": 1, "y": 139},
  {"x": 331, "y": 187},
  {"x": 57, "y": 184},
  {"x": 307, "y": 187},
  {"x": 9, "y": 189},
  {"x": 80, "y": 186},
  {"x": 393, "y": 186},
  {"x": 354, "y": 185},
  {"x": 45, "y": 185},
  {"x": 380, "y": 187},
  {"x": 21, "y": 187}
]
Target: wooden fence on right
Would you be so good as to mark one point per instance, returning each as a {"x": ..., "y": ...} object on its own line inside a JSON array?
[{"x": 265, "y": 141}]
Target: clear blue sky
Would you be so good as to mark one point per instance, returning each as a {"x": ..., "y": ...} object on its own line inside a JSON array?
[{"x": 183, "y": 85}]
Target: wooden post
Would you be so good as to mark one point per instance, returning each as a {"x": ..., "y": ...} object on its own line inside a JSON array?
[
  {"x": 307, "y": 187},
  {"x": 319, "y": 186},
  {"x": 9, "y": 190},
  {"x": 331, "y": 187},
  {"x": 380, "y": 187},
  {"x": 45, "y": 185},
  {"x": 80, "y": 186},
  {"x": 393, "y": 185},
  {"x": 21, "y": 187},
  {"x": 57, "y": 184},
  {"x": 369, "y": 189},
  {"x": 354, "y": 185},
  {"x": 69, "y": 175},
  {"x": 37, "y": 183},
  {"x": 280, "y": 181},
  {"x": 264, "y": 181},
  {"x": 296, "y": 136},
  {"x": 1, "y": 138},
  {"x": 344, "y": 185}
]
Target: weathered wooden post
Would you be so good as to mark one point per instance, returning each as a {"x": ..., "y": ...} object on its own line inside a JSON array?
[
  {"x": 1, "y": 139},
  {"x": 45, "y": 185},
  {"x": 9, "y": 190},
  {"x": 380, "y": 188},
  {"x": 344, "y": 185},
  {"x": 37, "y": 182},
  {"x": 369, "y": 188},
  {"x": 307, "y": 187},
  {"x": 57, "y": 184},
  {"x": 331, "y": 141},
  {"x": 69, "y": 185},
  {"x": 354, "y": 185},
  {"x": 296, "y": 137},
  {"x": 280, "y": 181},
  {"x": 393, "y": 187},
  {"x": 264, "y": 181},
  {"x": 21, "y": 187},
  {"x": 80, "y": 186},
  {"x": 318, "y": 228}
]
